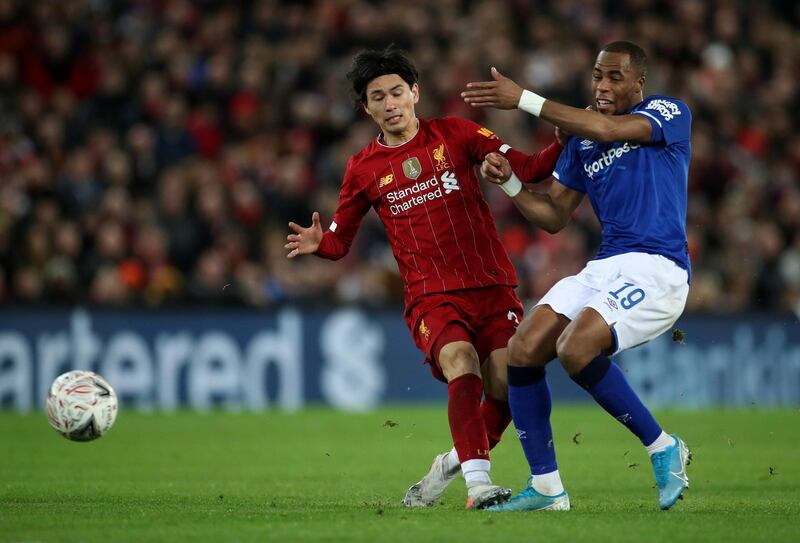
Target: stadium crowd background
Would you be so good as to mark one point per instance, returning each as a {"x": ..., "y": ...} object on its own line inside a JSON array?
[{"x": 152, "y": 152}]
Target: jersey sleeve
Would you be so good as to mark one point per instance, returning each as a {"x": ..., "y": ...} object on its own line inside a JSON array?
[
  {"x": 353, "y": 205},
  {"x": 536, "y": 167},
  {"x": 480, "y": 141},
  {"x": 568, "y": 170},
  {"x": 670, "y": 119}
]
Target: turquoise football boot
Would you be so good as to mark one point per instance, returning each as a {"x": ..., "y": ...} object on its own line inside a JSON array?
[
  {"x": 530, "y": 500},
  {"x": 669, "y": 467}
]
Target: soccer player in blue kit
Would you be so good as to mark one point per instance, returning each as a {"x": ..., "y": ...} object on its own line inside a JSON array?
[{"x": 631, "y": 157}]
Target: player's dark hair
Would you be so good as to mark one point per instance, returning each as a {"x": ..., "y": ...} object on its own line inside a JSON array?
[
  {"x": 636, "y": 54},
  {"x": 372, "y": 63}
]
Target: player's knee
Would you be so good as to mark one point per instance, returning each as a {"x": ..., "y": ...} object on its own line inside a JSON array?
[
  {"x": 523, "y": 350},
  {"x": 573, "y": 352},
  {"x": 520, "y": 350},
  {"x": 457, "y": 360}
]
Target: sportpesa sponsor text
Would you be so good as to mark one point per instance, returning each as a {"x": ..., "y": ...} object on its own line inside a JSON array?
[{"x": 607, "y": 158}]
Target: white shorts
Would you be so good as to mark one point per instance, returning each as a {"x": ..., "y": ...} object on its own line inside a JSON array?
[{"x": 638, "y": 294}]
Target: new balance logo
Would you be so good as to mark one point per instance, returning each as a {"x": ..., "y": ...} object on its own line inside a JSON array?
[{"x": 449, "y": 182}]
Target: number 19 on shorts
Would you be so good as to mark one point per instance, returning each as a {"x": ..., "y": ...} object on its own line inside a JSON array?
[{"x": 630, "y": 298}]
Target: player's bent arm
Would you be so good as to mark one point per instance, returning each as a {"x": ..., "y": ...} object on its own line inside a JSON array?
[
  {"x": 335, "y": 242},
  {"x": 550, "y": 211},
  {"x": 331, "y": 247},
  {"x": 536, "y": 167},
  {"x": 596, "y": 126},
  {"x": 504, "y": 93}
]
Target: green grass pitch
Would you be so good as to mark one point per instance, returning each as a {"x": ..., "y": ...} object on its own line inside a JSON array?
[{"x": 320, "y": 475}]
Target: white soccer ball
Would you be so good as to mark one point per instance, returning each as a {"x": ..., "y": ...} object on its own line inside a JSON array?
[{"x": 81, "y": 405}]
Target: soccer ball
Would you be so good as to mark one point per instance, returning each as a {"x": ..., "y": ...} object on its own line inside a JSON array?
[{"x": 81, "y": 405}]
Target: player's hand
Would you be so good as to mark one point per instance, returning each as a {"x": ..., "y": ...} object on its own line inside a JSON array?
[
  {"x": 304, "y": 240},
  {"x": 502, "y": 93},
  {"x": 496, "y": 168}
]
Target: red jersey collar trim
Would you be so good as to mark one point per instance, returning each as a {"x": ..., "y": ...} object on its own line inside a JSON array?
[{"x": 387, "y": 146}]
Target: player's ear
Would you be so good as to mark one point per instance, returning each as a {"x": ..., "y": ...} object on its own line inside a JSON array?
[
  {"x": 415, "y": 92},
  {"x": 640, "y": 84}
]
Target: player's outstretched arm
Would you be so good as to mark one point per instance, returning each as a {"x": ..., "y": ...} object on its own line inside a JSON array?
[
  {"x": 504, "y": 93},
  {"x": 305, "y": 240},
  {"x": 550, "y": 211}
]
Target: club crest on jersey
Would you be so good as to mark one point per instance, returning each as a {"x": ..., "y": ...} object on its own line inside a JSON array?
[
  {"x": 485, "y": 132},
  {"x": 424, "y": 330},
  {"x": 386, "y": 180},
  {"x": 412, "y": 168},
  {"x": 441, "y": 161}
]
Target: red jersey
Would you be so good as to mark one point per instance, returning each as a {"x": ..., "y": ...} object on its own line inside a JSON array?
[{"x": 428, "y": 197}]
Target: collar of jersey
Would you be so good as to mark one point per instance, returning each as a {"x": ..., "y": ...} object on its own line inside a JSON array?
[{"x": 409, "y": 140}]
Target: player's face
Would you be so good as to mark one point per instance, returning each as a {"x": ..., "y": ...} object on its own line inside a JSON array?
[
  {"x": 616, "y": 84},
  {"x": 390, "y": 102}
]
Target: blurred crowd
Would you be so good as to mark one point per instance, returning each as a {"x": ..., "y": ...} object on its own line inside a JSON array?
[{"x": 153, "y": 151}]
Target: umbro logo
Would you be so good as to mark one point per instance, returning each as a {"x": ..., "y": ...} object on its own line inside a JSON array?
[
  {"x": 586, "y": 144},
  {"x": 521, "y": 434}
]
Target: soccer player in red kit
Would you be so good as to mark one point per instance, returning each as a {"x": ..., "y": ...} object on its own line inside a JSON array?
[{"x": 460, "y": 304}]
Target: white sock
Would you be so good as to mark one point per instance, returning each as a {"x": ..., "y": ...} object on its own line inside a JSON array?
[
  {"x": 548, "y": 484},
  {"x": 661, "y": 443},
  {"x": 476, "y": 472},
  {"x": 451, "y": 462}
]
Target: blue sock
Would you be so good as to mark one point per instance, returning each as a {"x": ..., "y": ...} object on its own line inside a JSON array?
[
  {"x": 605, "y": 381},
  {"x": 529, "y": 399}
]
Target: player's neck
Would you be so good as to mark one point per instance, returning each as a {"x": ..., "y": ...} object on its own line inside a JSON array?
[{"x": 393, "y": 140}]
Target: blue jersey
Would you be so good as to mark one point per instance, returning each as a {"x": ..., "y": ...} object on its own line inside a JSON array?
[{"x": 637, "y": 190}]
